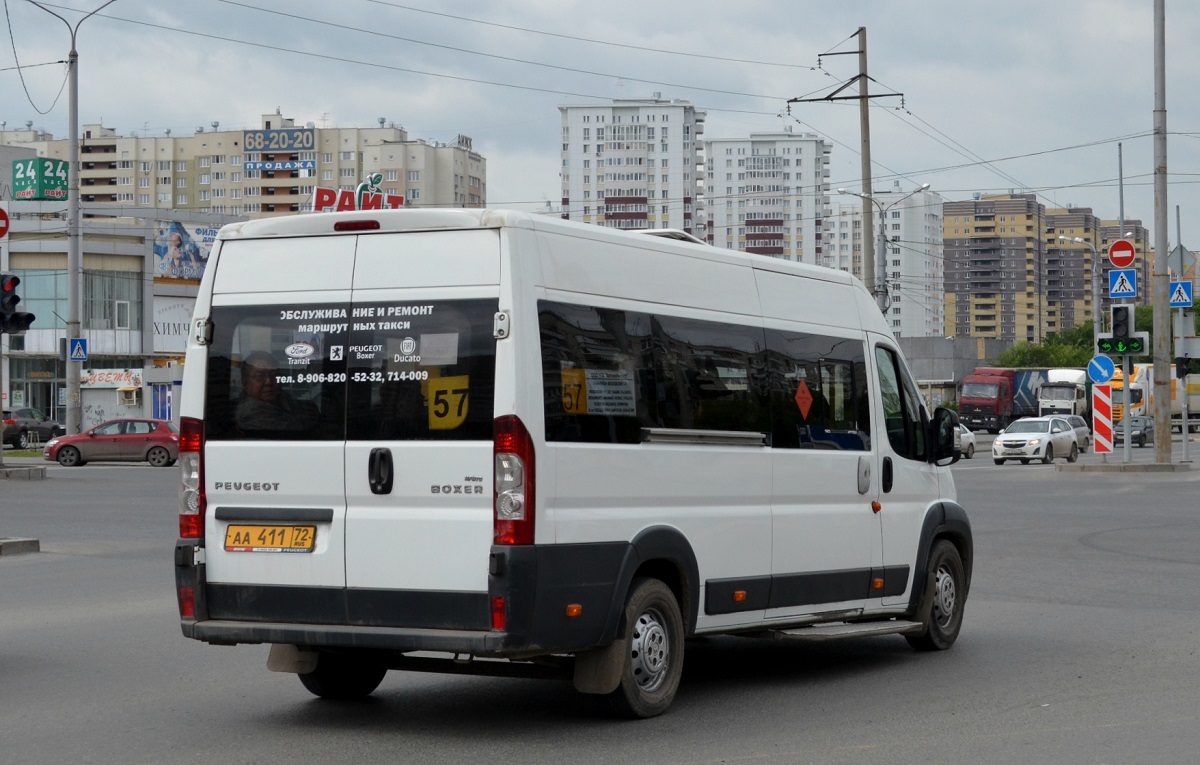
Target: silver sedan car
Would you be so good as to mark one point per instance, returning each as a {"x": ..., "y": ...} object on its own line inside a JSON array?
[{"x": 1036, "y": 438}]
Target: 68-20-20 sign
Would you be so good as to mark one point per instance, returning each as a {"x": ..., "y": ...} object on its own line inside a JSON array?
[{"x": 290, "y": 139}]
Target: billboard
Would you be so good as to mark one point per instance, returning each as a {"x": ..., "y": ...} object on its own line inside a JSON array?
[
  {"x": 39, "y": 179},
  {"x": 181, "y": 250}
]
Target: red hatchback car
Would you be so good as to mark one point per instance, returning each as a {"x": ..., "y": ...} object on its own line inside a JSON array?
[{"x": 123, "y": 440}]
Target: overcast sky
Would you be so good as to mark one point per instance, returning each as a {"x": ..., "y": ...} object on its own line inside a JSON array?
[{"x": 1025, "y": 95}]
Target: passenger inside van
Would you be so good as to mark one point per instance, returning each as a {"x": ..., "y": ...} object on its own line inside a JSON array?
[{"x": 265, "y": 406}]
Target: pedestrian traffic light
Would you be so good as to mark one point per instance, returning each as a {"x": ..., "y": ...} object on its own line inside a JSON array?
[
  {"x": 1122, "y": 322},
  {"x": 12, "y": 321}
]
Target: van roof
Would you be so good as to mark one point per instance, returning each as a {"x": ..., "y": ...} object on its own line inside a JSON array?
[{"x": 426, "y": 219}]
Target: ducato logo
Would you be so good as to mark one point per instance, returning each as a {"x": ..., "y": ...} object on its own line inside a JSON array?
[{"x": 299, "y": 351}]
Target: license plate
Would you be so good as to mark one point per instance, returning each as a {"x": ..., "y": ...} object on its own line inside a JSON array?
[
  {"x": 287, "y": 539},
  {"x": 1013, "y": 451}
]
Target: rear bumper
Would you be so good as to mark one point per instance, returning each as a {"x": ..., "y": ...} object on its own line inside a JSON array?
[
  {"x": 536, "y": 583},
  {"x": 324, "y": 635}
]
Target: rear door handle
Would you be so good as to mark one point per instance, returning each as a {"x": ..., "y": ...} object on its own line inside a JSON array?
[{"x": 379, "y": 471}]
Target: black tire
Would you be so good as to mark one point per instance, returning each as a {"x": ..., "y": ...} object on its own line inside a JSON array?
[
  {"x": 69, "y": 456},
  {"x": 1074, "y": 455},
  {"x": 944, "y": 613},
  {"x": 1024, "y": 461},
  {"x": 58, "y": 432},
  {"x": 650, "y": 672},
  {"x": 970, "y": 451},
  {"x": 998, "y": 461},
  {"x": 159, "y": 457},
  {"x": 343, "y": 677},
  {"x": 1048, "y": 457},
  {"x": 1142, "y": 442},
  {"x": 22, "y": 441}
]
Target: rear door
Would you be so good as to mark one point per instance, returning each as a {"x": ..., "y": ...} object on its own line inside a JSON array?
[
  {"x": 279, "y": 332},
  {"x": 421, "y": 365}
]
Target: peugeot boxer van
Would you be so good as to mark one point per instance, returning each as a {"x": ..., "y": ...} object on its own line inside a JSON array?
[{"x": 497, "y": 442}]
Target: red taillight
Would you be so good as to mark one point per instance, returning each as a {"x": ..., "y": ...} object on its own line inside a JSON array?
[
  {"x": 513, "y": 483},
  {"x": 356, "y": 225},
  {"x": 187, "y": 602},
  {"x": 499, "y": 619},
  {"x": 192, "y": 500}
]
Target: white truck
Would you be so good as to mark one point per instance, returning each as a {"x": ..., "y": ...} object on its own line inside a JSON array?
[{"x": 1064, "y": 392}]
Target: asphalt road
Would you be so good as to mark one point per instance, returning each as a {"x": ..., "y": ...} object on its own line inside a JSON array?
[{"x": 1079, "y": 646}]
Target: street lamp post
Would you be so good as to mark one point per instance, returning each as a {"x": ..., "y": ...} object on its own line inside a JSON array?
[
  {"x": 875, "y": 269},
  {"x": 74, "y": 224}
]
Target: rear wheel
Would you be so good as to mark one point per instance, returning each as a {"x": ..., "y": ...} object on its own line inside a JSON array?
[
  {"x": 343, "y": 677},
  {"x": 1024, "y": 462},
  {"x": 653, "y": 664},
  {"x": 159, "y": 457},
  {"x": 69, "y": 456},
  {"x": 944, "y": 611}
]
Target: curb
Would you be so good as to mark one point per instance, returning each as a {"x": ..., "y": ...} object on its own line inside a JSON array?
[
  {"x": 23, "y": 473},
  {"x": 1152, "y": 467},
  {"x": 18, "y": 545}
]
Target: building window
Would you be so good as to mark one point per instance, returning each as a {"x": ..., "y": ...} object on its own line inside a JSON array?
[
  {"x": 392, "y": 175},
  {"x": 412, "y": 176}
]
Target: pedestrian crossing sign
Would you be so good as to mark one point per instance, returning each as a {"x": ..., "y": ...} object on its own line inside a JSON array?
[
  {"x": 1122, "y": 283},
  {"x": 1181, "y": 294},
  {"x": 78, "y": 349}
]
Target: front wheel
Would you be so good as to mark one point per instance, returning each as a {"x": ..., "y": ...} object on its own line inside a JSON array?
[
  {"x": 22, "y": 441},
  {"x": 159, "y": 457},
  {"x": 69, "y": 456},
  {"x": 343, "y": 677},
  {"x": 653, "y": 663},
  {"x": 1074, "y": 455},
  {"x": 944, "y": 611},
  {"x": 1049, "y": 456},
  {"x": 998, "y": 461},
  {"x": 970, "y": 451}
]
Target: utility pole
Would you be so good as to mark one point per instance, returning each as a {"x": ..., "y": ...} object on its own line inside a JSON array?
[
  {"x": 1162, "y": 284},
  {"x": 872, "y": 276}
]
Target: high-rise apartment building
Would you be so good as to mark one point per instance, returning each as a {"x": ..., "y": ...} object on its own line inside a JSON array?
[
  {"x": 269, "y": 171},
  {"x": 768, "y": 194},
  {"x": 911, "y": 260},
  {"x": 633, "y": 164},
  {"x": 1015, "y": 272},
  {"x": 996, "y": 269}
]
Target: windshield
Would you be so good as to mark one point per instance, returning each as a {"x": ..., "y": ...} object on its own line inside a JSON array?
[
  {"x": 1031, "y": 426},
  {"x": 1058, "y": 394},
  {"x": 981, "y": 390}
]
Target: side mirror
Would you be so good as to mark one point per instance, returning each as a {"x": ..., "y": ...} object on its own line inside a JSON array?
[{"x": 945, "y": 437}]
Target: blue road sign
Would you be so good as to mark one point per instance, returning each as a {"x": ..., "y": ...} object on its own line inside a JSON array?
[
  {"x": 78, "y": 349},
  {"x": 1122, "y": 283},
  {"x": 1101, "y": 369},
  {"x": 1181, "y": 294}
]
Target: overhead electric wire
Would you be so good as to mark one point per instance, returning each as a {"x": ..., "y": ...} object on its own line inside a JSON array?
[
  {"x": 589, "y": 40},
  {"x": 21, "y": 70}
]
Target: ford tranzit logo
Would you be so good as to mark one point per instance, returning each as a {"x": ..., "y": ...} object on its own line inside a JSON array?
[{"x": 299, "y": 351}]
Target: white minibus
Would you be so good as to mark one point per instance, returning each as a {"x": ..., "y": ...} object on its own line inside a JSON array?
[{"x": 497, "y": 442}]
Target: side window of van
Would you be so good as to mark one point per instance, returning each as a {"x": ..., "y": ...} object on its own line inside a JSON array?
[
  {"x": 710, "y": 376},
  {"x": 609, "y": 373},
  {"x": 902, "y": 408},
  {"x": 421, "y": 371},
  {"x": 598, "y": 373},
  {"x": 818, "y": 391},
  {"x": 277, "y": 372}
]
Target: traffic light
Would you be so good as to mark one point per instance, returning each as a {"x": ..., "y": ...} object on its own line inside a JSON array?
[
  {"x": 1185, "y": 366},
  {"x": 1122, "y": 322},
  {"x": 12, "y": 321}
]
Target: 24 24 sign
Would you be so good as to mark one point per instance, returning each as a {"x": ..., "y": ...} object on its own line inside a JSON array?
[{"x": 39, "y": 179}]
